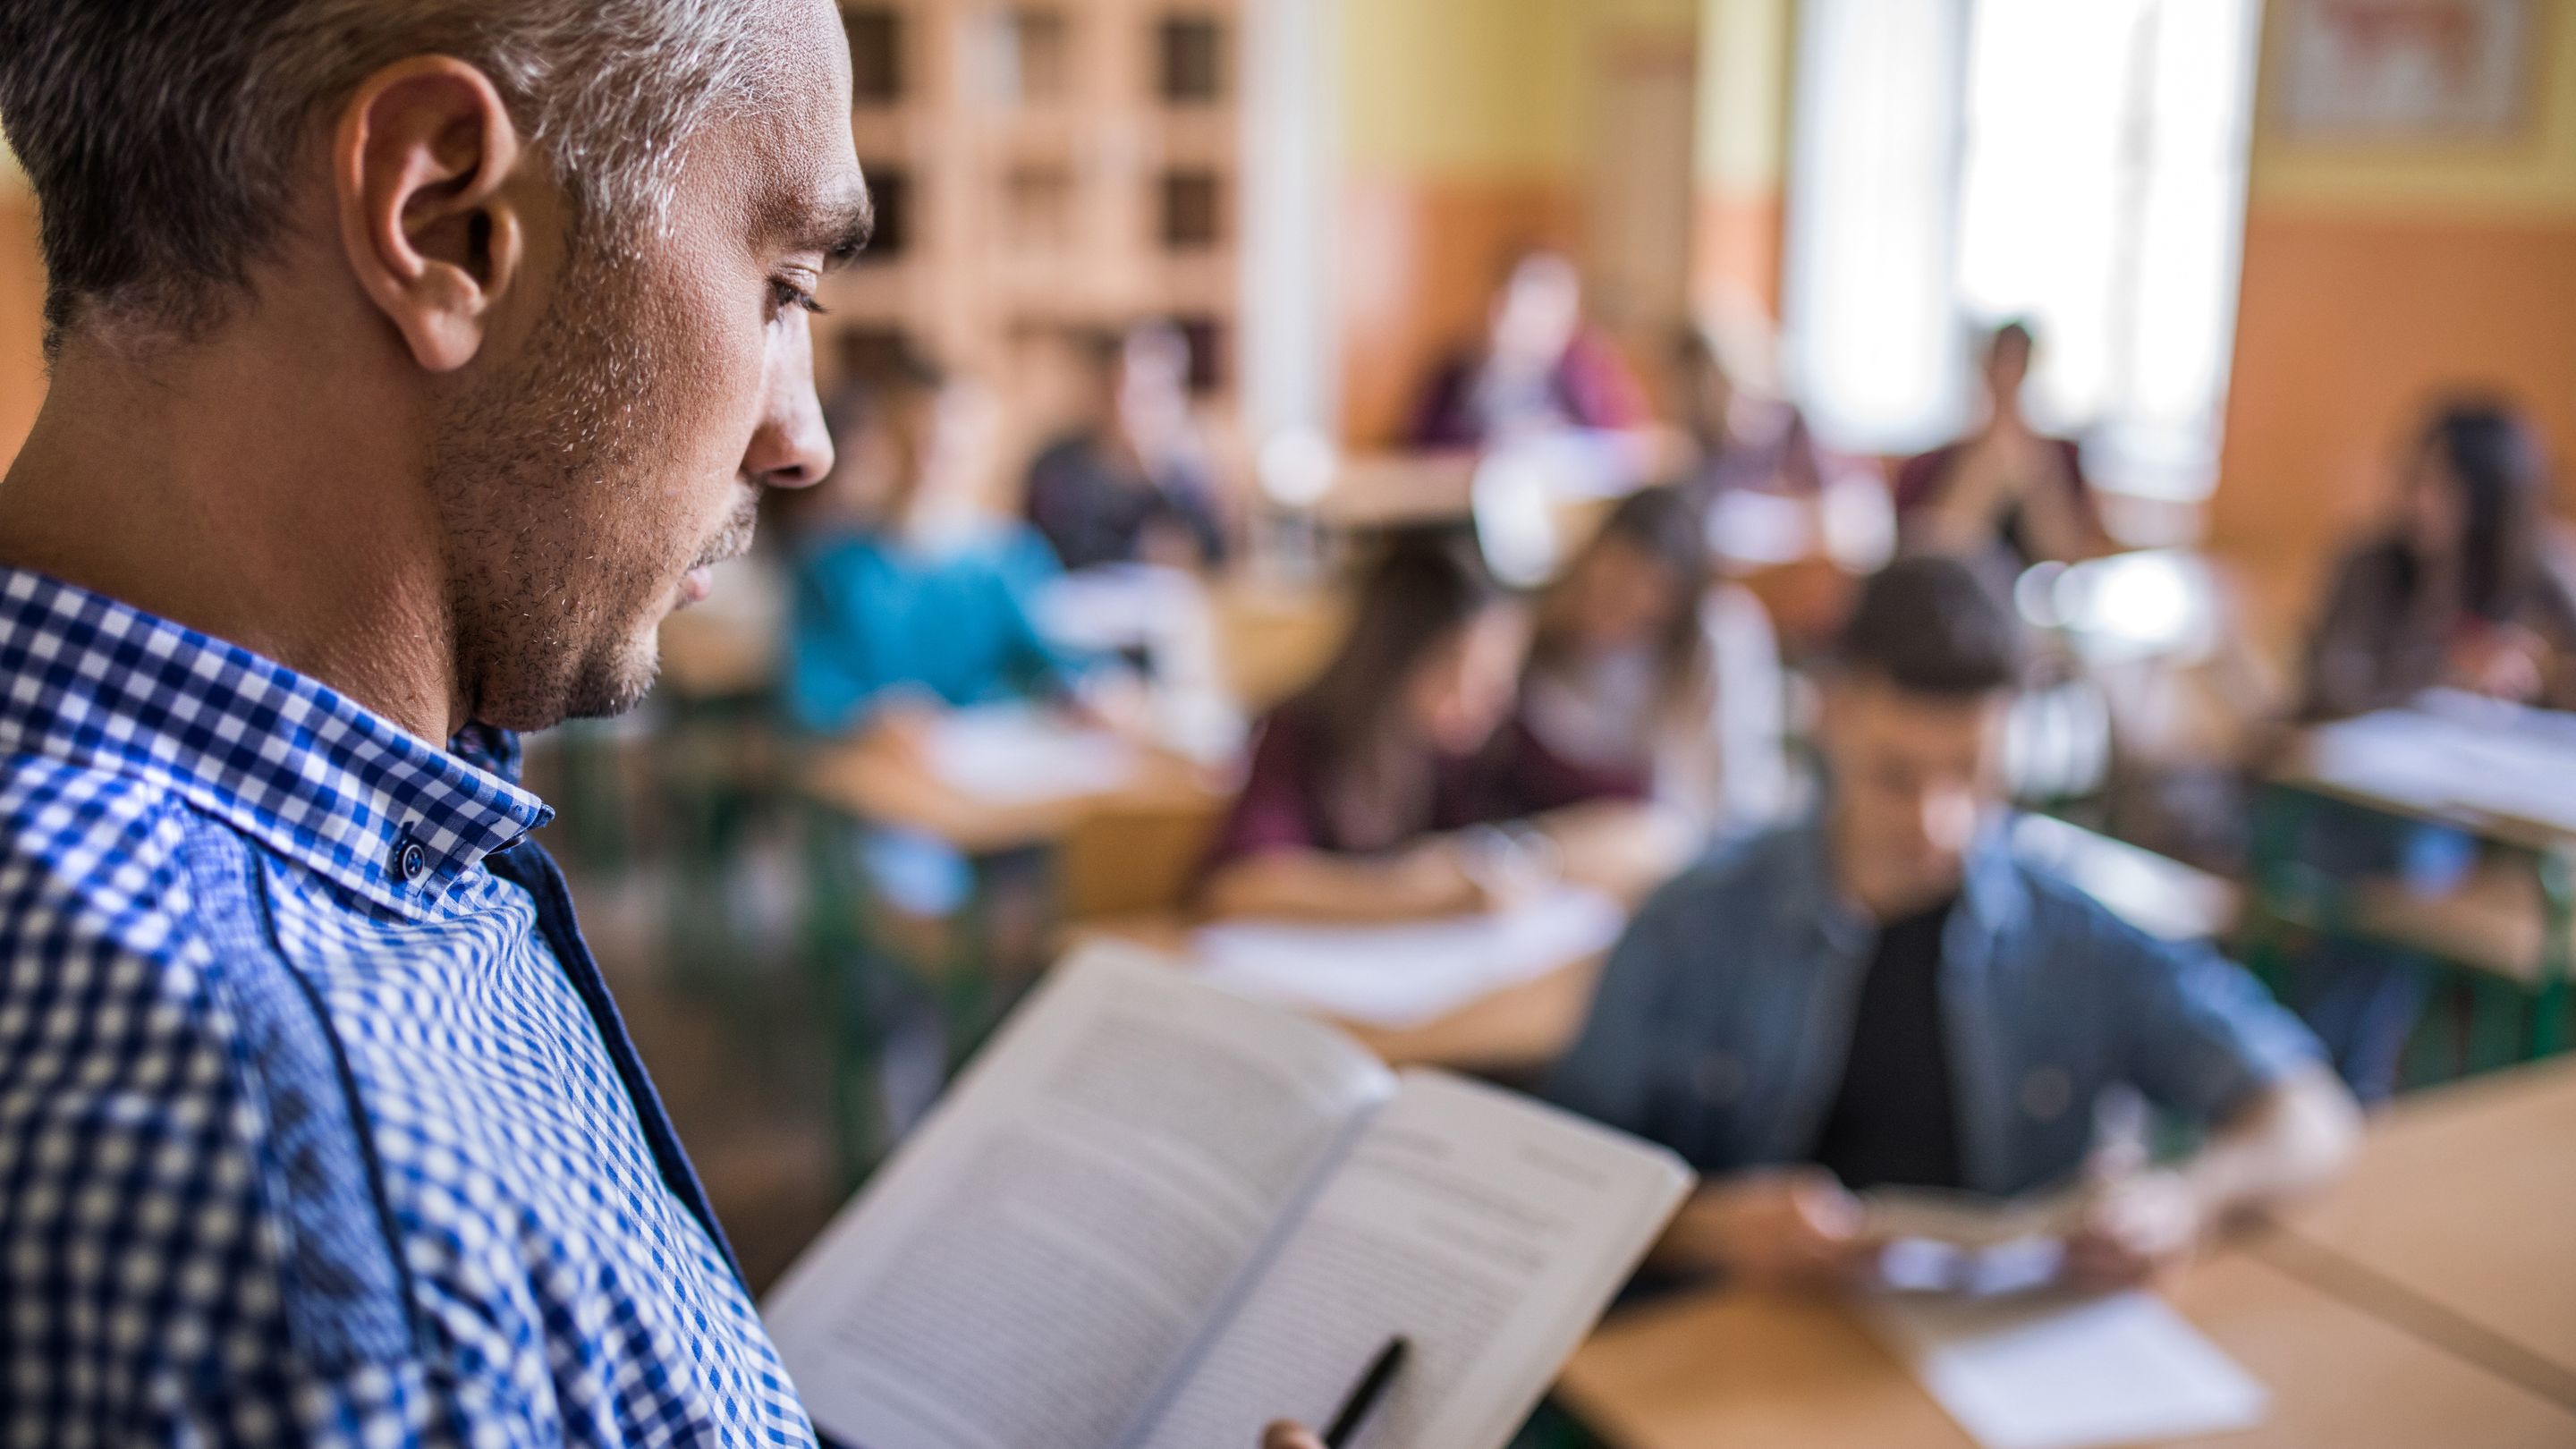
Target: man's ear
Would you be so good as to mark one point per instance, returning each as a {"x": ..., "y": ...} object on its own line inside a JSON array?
[{"x": 421, "y": 166}]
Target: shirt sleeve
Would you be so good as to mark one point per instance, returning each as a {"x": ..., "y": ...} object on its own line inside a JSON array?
[
  {"x": 829, "y": 683},
  {"x": 148, "y": 1303},
  {"x": 2202, "y": 1036},
  {"x": 1607, "y": 1075},
  {"x": 1276, "y": 809}
]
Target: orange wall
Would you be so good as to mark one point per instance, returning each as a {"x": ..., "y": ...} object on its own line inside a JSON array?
[
  {"x": 1419, "y": 260},
  {"x": 1464, "y": 133},
  {"x": 1735, "y": 248},
  {"x": 2347, "y": 324},
  {"x": 2375, "y": 278},
  {"x": 1746, "y": 69},
  {"x": 22, "y": 296}
]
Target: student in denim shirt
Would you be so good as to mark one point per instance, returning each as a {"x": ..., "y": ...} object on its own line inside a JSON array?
[{"x": 1884, "y": 996}]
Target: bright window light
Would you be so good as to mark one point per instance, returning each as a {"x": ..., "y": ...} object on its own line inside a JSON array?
[{"x": 2082, "y": 166}]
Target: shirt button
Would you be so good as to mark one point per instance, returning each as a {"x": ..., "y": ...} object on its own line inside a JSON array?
[{"x": 410, "y": 861}]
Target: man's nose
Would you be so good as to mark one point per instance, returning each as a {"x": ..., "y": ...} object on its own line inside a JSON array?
[{"x": 791, "y": 448}]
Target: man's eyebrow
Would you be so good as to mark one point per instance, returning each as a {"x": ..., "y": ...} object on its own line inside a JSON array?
[{"x": 837, "y": 226}]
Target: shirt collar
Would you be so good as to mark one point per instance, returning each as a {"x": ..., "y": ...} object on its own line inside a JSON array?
[{"x": 287, "y": 760}]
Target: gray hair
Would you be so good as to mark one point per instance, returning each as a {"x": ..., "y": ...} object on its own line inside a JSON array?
[{"x": 162, "y": 135}]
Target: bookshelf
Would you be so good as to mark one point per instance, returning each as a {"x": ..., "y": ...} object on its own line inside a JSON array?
[{"x": 1041, "y": 165}]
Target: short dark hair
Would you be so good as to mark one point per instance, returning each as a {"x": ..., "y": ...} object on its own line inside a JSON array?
[
  {"x": 1931, "y": 624},
  {"x": 160, "y": 135}
]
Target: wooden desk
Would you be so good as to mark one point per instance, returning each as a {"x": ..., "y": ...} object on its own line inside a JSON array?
[
  {"x": 2464, "y": 1199},
  {"x": 2496, "y": 778},
  {"x": 2492, "y": 778},
  {"x": 1754, "y": 1372},
  {"x": 873, "y": 779},
  {"x": 1521, "y": 1028},
  {"x": 1400, "y": 490},
  {"x": 1272, "y": 640}
]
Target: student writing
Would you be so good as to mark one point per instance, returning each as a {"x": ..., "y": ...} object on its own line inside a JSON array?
[{"x": 1885, "y": 996}]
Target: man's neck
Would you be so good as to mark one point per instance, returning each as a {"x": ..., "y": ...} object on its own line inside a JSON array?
[
  {"x": 206, "y": 487},
  {"x": 1881, "y": 897}
]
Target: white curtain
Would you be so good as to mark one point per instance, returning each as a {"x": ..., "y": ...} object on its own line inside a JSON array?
[{"x": 2079, "y": 163}]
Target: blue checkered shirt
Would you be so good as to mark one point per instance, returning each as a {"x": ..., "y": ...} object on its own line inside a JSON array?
[{"x": 316, "y": 1125}]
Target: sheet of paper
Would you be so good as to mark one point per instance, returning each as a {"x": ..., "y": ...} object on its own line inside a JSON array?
[
  {"x": 2453, "y": 753},
  {"x": 2055, "y": 1373},
  {"x": 1014, "y": 754},
  {"x": 1405, "y": 975}
]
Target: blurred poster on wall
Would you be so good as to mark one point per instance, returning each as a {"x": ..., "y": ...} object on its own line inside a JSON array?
[{"x": 2407, "y": 71}]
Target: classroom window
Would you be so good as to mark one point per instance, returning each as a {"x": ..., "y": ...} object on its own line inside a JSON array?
[
  {"x": 1191, "y": 210},
  {"x": 2081, "y": 166},
  {"x": 890, "y": 190},
  {"x": 876, "y": 53},
  {"x": 1191, "y": 52}
]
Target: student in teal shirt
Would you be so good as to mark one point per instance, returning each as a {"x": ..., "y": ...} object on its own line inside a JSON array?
[
  {"x": 908, "y": 600},
  {"x": 906, "y": 596}
]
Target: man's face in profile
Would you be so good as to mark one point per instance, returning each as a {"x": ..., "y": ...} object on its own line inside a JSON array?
[{"x": 595, "y": 469}]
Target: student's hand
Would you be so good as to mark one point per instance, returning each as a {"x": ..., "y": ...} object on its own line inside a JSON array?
[
  {"x": 1114, "y": 700},
  {"x": 904, "y": 726},
  {"x": 2504, "y": 662},
  {"x": 1284, "y": 1435},
  {"x": 2136, "y": 1227},
  {"x": 1792, "y": 1227},
  {"x": 1507, "y": 866},
  {"x": 1432, "y": 878}
]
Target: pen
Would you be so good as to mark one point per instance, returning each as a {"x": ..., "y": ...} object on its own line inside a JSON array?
[{"x": 1365, "y": 1394}]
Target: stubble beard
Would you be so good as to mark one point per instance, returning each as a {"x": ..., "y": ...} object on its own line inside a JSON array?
[{"x": 533, "y": 473}]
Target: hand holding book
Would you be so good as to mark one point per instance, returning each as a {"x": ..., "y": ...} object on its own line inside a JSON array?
[{"x": 1157, "y": 1216}]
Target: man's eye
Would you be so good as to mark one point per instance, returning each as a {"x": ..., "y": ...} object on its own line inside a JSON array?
[{"x": 786, "y": 296}]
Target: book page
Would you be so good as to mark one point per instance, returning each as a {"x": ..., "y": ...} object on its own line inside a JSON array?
[
  {"x": 1039, "y": 1259},
  {"x": 1487, "y": 1230}
]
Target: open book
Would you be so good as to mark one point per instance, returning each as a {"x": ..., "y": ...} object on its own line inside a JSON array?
[{"x": 1155, "y": 1215}]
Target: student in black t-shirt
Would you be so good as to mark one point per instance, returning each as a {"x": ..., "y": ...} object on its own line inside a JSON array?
[{"x": 1885, "y": 995}]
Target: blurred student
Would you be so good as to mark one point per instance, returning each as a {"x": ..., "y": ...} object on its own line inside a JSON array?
[
  {"x": 910, "y": 600},
  {"x": 1648, "y": 681},
  {"x": 2006, "y": 488},
  {"x": 1739, "y": 439},
  {"x": 907, "y": 596},
  {"x": 1538, "y": 369},
  {"x": 1364, "y": 791},
  {"x": 1885, "y": 996},
  {"x": 2466, "y": 584},
  {"x": 1133, "y": 481}
]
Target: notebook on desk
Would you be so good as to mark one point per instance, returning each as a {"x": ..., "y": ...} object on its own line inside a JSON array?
[
  {"x": 1407, "y": 974},
  {"x": 1156, "y": 1215},
  {"x": 1012, "y": 754}
]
